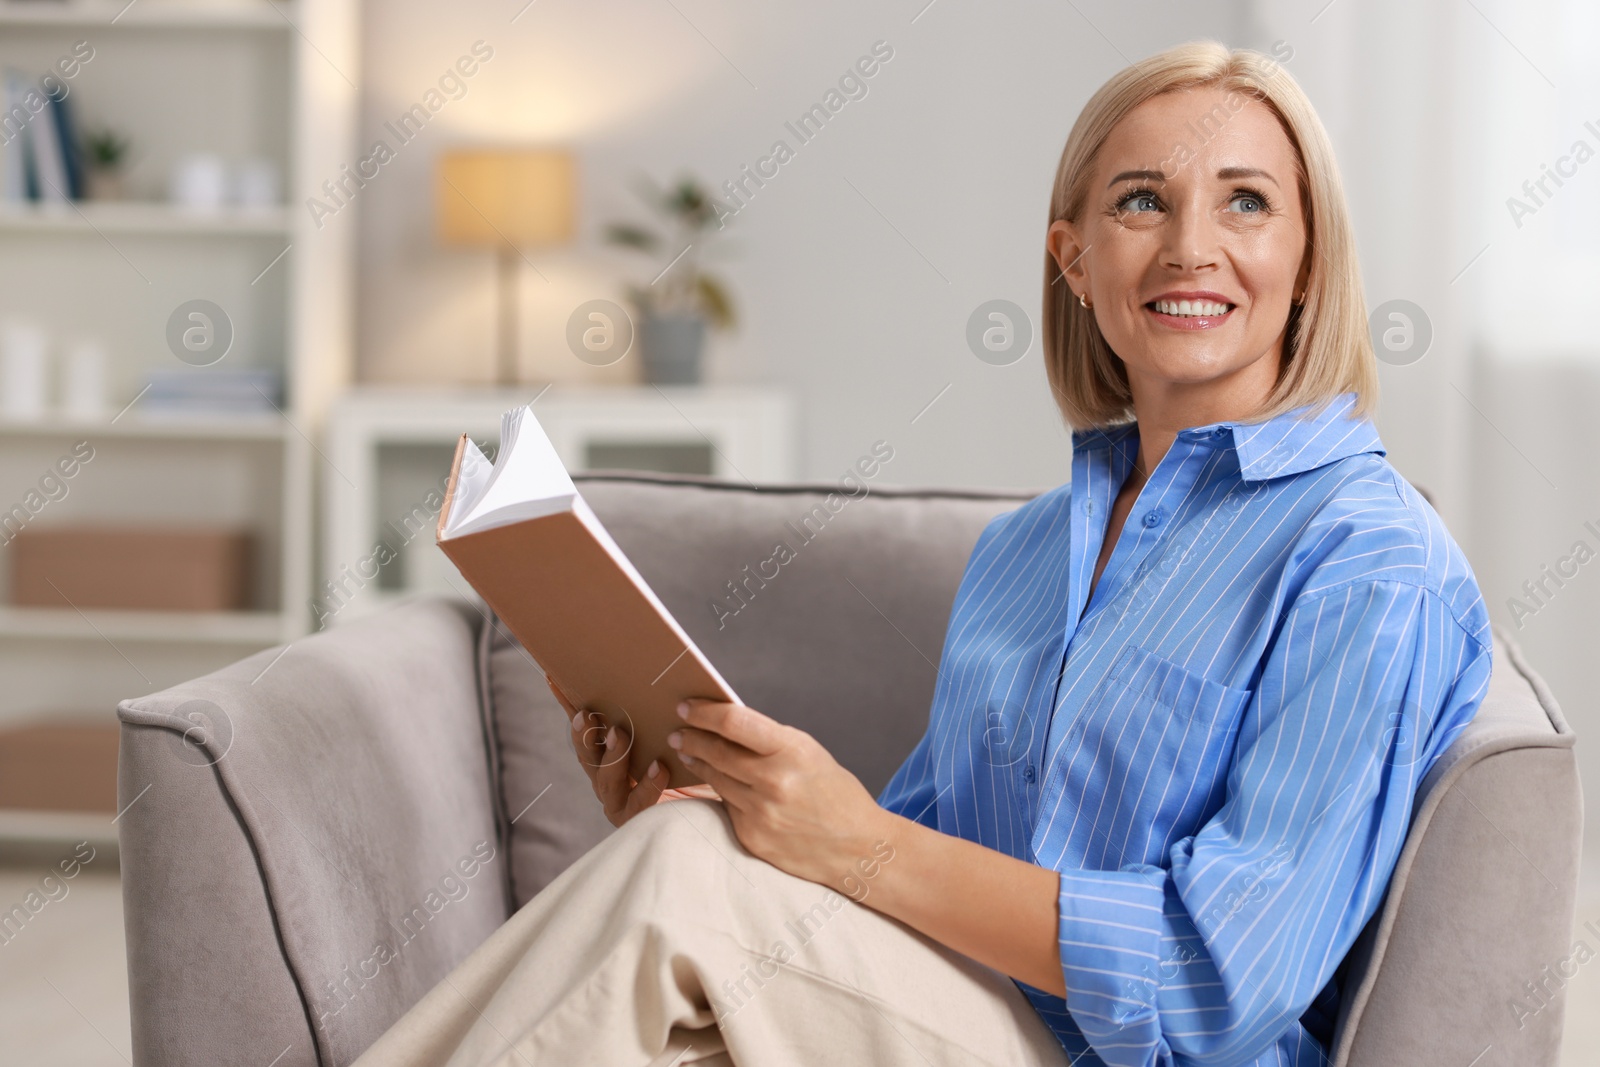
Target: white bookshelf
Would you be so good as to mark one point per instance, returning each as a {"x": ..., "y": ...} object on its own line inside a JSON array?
[
  {"x": 149, "y": 218},
  {"x": 244, "y": 79},
  {"x": 146, "y": 14},
  {"x": 133, "y": 424}
]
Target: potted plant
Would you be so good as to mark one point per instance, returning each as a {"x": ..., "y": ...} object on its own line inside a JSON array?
[
  {"x": 106, "y": 152},
  {"x": 675, "y": 308}
]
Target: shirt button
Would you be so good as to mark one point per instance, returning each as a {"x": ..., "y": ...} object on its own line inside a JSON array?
[
  {"x": 1028, "y": 772},
  {"x": 1088, "y": 507},
  {"x": 1152, "y": 517},
  {"x": 1220, "y": 431}
]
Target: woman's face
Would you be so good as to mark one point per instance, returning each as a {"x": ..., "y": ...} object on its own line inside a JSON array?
[{"x": 1217, "y": 227}]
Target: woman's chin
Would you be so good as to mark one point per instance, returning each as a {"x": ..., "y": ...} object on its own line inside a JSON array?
[{"x": 1190, "y": 367}]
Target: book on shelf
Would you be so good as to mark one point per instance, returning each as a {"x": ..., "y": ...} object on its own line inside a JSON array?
[
  {"x": 520, "y": 532},
  {"x": 16, "y": 167},
  {"x": 65, "y": 125},
  {"x": 211, "y": 390},
  {"x": 50, "y": 182},
  {"x": 40, "y": 157}
]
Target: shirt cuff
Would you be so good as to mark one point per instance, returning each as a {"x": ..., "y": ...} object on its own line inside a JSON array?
[{"x": 1110, "y": 942}]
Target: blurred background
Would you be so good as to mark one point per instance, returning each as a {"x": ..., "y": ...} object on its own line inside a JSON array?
[{"x": 261, "y": 262}]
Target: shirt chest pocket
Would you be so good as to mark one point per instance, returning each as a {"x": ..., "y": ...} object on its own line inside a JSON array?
[{"x": 1145, "y": 761}]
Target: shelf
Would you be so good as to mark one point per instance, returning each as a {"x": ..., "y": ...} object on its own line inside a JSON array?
[
  {"x": 152, "y": 427},
  {"x": 177, "y": 14},
  {"x": 142, "y": 217},
  {"x": 221, "y": 628},
  {"x": 47, "y": 836}
]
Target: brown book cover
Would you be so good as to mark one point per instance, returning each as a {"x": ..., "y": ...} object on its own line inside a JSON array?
[{"x": 581, "y": 610}]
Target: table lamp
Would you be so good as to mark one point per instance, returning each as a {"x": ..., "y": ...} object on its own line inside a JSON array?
[{"x": 506, "y": 198}]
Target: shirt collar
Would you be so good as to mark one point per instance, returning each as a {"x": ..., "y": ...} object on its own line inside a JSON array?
[{"x": 1296, "y": 441}]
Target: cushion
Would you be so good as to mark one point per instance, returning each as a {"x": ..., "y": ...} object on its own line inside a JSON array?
[{"x": 551, "y": 816}]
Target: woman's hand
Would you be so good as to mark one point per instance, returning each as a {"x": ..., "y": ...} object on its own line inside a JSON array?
[
  {"x": 795, "y": 807},
  {"x": 791, "y": 803},
  {"x": 603, "y": 754}
]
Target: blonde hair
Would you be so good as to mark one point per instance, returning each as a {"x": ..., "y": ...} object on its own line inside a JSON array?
[{"x": 1327, "y": 350}]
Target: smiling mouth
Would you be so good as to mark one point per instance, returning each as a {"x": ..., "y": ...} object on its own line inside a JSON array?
[{"x": 1190, "y": 309}]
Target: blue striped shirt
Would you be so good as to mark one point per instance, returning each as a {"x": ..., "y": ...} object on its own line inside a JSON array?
[{"x": 1219, "y": 751}]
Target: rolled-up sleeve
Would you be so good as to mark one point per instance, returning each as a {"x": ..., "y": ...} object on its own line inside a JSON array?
[{"x": 1209, "y": 962}]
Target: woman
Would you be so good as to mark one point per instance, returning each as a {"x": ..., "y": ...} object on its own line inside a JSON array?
[{"x": 1183, "y": 709}]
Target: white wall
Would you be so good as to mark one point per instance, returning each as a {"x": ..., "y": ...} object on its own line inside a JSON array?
[
  {"x": 1440, "y": 111},
  {"x": 955, "y": 144}
]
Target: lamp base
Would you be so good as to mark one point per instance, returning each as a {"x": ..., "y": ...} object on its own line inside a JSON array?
[{"x": 506, "y": 371}]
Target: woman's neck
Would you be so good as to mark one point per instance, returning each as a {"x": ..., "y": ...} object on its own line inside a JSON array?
[{"x": 1163, "y": 408}]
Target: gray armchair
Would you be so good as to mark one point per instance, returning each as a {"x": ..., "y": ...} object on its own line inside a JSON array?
[{"x": 316, "y": 835}]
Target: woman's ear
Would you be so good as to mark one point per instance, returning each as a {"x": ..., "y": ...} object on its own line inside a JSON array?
[{"x": 1065, "y": 244}]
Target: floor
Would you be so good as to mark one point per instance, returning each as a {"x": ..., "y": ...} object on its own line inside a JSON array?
[
  {"x": 64, "y": 991},
  {"x": 63, "y": 974},
  {"x": 1581, "y": 1045}
]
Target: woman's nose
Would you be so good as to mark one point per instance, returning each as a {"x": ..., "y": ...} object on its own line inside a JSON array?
[{"x": 1192, "y": 241}]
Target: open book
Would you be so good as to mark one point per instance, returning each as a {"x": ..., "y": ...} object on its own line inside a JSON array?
[{"x": 522, "y": 534}]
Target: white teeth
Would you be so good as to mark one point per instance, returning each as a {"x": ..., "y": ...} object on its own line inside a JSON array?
[{"x": 1195, "y": 308}]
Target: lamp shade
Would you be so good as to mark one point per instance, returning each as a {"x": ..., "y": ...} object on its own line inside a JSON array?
[{"x": 505, "y": 196}]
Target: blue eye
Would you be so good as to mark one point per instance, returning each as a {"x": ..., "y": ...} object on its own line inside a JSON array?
[
  {"x": 1255, "y": 201},
  {"x": 1136, "y": 196}
]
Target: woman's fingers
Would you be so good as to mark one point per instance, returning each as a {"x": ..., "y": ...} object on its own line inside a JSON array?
[
  {"x": 603, "y": 751},
  {"x": 582, "y": 732},
  {"x": 725, "y": 745},
  {"x": 739, "y": 724},
  {"x": 586, "y": 740},
  {"x": 647, "y": 793},
  {"x": 611, "y": 779},
  {"x": 729, "y": 789},
  {"x": 733, "y": 760}
]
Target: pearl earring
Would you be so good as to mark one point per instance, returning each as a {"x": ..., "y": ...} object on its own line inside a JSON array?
[{"x": 1086, "y": 305}]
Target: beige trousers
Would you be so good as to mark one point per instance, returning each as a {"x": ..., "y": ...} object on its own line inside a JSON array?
[{"x": 669, "y": 944}]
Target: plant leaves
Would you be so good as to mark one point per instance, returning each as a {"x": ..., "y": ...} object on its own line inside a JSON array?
[
  {"x": 715, "y": 302},
  {"x": 631, "y": 236}
]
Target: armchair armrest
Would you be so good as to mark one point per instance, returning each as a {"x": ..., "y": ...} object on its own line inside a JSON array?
[{"x": 309, "y": 841}]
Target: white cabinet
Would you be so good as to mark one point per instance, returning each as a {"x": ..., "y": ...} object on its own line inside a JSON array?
[{"x": 389, "y": 452}]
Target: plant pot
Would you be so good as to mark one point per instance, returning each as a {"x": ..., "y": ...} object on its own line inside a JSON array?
[
  {"x": 101, "y": 184},
  {"x": 670, "y": 347}
]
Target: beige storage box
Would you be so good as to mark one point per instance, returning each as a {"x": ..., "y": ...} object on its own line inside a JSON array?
[{"x": 137, "y": 568}]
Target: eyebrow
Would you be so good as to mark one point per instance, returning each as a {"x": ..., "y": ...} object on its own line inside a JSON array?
[
  {"x": 1226, "y": 174},
  {"x": 1245, "y": 172},
  {"x": 1140, "y": 175}
]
